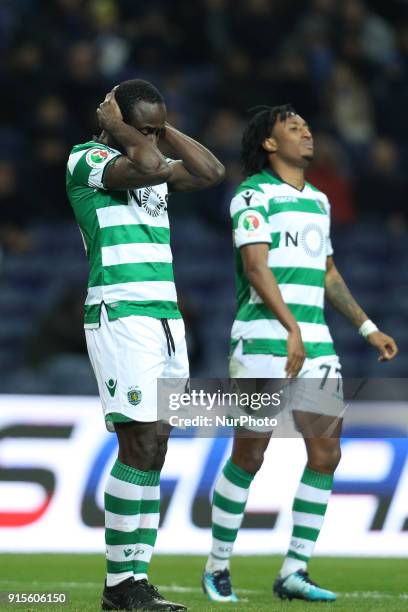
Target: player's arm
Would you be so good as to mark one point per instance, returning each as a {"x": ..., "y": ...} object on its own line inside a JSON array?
[
  {"x": 143, "y": 165},
  {"x": 262, "y": 279},
  {"x": 342, "y": 300},
  {"x": 196, "y": 168}
]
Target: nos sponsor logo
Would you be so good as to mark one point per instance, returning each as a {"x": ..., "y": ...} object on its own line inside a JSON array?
[
  {"x": 150, "y": 200},
  {"x": 311, "y": 239}
]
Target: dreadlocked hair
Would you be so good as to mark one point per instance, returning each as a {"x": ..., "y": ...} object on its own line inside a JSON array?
[
  {"x": 254, "y": 158},
  {"x": 131, "y": 92}
]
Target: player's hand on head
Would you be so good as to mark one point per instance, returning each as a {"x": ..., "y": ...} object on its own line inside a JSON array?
[
  {"x": 385, "y": 345},
  {"x": 165, "y": 131},
  {"x": 296, "y": 354},
  {"x": 108, "y": 111}
]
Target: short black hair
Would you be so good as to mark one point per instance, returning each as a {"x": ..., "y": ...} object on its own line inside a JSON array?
[
  {"x": 254, "y": 158},
  {"x": 133, "y": 91}
]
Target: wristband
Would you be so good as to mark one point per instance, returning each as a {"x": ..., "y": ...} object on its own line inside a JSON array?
[{"x": 367, "y": 328}]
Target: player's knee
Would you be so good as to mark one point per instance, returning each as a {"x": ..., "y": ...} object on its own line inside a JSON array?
[
  {"x": 160, "y": 455},
  {"x": 139, "y": 453},
  {"x": 249, "y": 460},
  {"x": 325, "y": 460}
]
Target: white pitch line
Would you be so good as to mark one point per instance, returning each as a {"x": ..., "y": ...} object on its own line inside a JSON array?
[
  {"x": 46, "y": 583},
  {"x": 175, "y": 588},
  {"x": 373, "y": 595}
]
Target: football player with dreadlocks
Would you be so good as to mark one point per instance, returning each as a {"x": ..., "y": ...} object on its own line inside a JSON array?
[{"x": 284, "y": 269}]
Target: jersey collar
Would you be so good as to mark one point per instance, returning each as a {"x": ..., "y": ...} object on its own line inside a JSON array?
[{"x": 279, "y": 178}]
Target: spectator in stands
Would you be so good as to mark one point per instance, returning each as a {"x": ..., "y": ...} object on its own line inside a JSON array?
[
  {"x": 253, "y": 26},
  {"x": 49, "y": 169},
  {"x": 60, "y": 331},
  {"x": 329, "y": 173},
  {"x": 291, "y": 83},
  {"x": 375, "y": 38},
  {"x": 381, "y": 189},
  {"x": 319, "y": 19},
  {"x": 82, "y": 86},
  {"x": 13, "y": 212},
  {"x": 239, "y": 87},
  {"x": 314, "y": 35},
  {"x": 351, "y": 109},
  {"x": 51, "y": 117},
  {"x": 392, "y": 84}
]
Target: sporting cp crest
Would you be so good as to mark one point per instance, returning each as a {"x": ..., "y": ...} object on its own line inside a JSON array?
[{"x": 134, "y": 396}]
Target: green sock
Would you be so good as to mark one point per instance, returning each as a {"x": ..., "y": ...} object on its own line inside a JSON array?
[
  {"x": 228, "y": 508},
  {"x": 148, "y": 526},
  {"x": 309, "y": 508},
  {"x": 124, "y": 507}
]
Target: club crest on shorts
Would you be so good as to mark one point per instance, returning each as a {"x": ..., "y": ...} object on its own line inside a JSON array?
[{"x": 134, "y": 396}]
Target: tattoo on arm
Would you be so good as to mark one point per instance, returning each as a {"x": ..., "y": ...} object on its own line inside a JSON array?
[{"x": 341, "y": 299}]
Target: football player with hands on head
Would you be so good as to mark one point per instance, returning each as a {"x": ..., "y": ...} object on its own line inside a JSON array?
[{"x": 118, "y": 185}]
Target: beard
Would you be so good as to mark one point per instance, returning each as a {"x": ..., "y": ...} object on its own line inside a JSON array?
[{"x": 308, "y": 157}]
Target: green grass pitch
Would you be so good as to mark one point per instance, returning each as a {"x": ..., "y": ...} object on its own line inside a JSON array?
[{"x": 363, "y": 584}]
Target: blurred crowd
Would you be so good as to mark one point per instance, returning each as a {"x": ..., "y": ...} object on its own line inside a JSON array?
[{"x": 343, "y": 64}]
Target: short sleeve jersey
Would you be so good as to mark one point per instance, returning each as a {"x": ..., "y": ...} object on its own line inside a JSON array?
[
  {"x": 127, "y": 240},
  {"x": 296, "y": 226}
]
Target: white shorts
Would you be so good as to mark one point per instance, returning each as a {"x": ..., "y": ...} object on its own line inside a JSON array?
[
  {"x": 318, "y": 387},
  {"x": 128, "y": 355}
]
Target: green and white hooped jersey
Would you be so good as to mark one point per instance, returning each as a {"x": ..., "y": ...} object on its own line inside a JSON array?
[
  {"x": 296, "y": 225},
  {"x": 127, "y": 240}
]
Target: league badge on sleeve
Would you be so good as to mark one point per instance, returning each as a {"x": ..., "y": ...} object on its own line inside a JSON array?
[
  {"x": 251, "y": 221},
  {"x": 95, "y": 157}
]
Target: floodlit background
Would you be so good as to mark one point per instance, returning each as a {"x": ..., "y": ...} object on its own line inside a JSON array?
[{"x": 343, "y": 64}]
